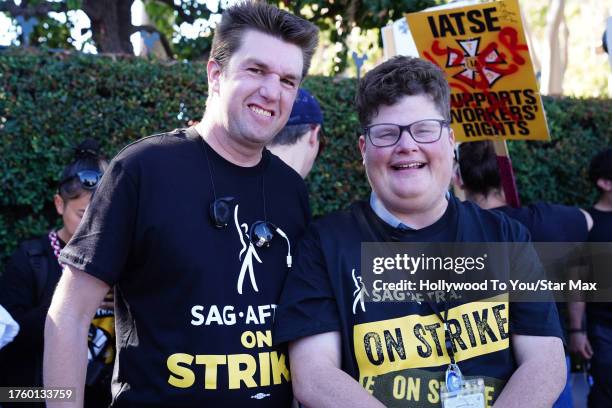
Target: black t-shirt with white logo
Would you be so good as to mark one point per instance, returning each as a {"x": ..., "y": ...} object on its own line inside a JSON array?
[
  {"x": 396, "y": 350},
  {"x": 194, "y": 304}
]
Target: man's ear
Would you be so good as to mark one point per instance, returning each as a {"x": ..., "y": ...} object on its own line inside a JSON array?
[
  {"x": 214, "y": 72},
  {"x": 362, "y": 147},
  {"x": 604, "y": 184},
  {"x": 313, "y": 135},
  {"x": 59, "y": 204}
]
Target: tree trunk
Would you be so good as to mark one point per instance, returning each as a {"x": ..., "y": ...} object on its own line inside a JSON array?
[
  {"x": 553, "y": 67},
  {"x": 158, "y": 49},
  {"x": 111, "y": 24}
]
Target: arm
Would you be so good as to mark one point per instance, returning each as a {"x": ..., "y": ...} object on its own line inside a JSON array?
[
  {"x": 540, "y": 376},
  {"x": 579, "y": 343},
  {"x": 588, "y": 219},
  {"x": 317, "y": 378},
  {"x": 73, "y": 306}
]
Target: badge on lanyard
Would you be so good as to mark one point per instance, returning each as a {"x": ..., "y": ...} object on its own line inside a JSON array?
[{"x": 469, "y": 394}]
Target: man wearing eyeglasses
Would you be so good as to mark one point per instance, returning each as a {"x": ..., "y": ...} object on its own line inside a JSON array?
[{"x": 346, "y": 351}]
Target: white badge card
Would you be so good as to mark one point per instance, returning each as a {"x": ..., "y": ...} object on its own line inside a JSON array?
[{"x": 470, "y": 395}]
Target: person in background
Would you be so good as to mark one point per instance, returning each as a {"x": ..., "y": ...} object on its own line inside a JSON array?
[
  {"x": 30, "y": 277},
  {"x": 594, "y": 340},
  {"x": 301, "y": 140},
  {"x": 479, "y": 177}
]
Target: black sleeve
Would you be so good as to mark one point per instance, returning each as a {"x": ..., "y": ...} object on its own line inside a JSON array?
[
  {"x": 19, "y": 298},
  {"x": 307, "y": 305},
  {"x": 530, "y": 318},
  {"x": 102, "y": 242}
]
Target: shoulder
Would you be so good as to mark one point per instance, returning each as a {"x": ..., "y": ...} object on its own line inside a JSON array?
[
  {"x": 494, "y": 225},
  {"x": 338, "y": 223},
  {"x": 282, "y": 172},
  {"x": 154, "y": 146},
  {"x": 35, "y": 247}
]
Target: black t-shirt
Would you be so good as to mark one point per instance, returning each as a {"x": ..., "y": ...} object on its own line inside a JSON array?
[
  {"x": 194, "y": 304},
  {"x": 396, "y": 350},
  {"x": 550, "y": 222},
  {"x": 601, "y": 232},
  {"x": 21, "y": 360}
]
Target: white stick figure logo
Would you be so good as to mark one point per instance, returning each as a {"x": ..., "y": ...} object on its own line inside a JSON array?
[
  {"x": 247, "y": 261},
  {"x": 359, "y": 293}
]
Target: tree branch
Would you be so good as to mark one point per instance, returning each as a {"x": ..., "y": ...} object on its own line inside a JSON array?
[
  {"x": 186, "y": 17},
  {"x": 162, "y": 37},
  {"x": 39, "y": 10}
]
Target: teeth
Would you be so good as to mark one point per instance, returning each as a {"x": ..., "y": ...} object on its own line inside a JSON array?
[
  {"x": 261, "y": 111},
  {"x": 409, "y": 165}
]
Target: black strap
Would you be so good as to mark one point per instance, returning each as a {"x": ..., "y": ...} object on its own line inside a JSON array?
[{"x": 39, "y": 263}]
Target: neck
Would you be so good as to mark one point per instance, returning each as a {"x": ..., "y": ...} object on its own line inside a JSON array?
[
  {"x": 220, "y": 141},
  {"x": 64, "y": 235},
  {"x": 605, "y": 202},
  {"x": 292, "y": 157},
  {"x": 421, "y": 217},
  {"x": 493, "y": 199}
]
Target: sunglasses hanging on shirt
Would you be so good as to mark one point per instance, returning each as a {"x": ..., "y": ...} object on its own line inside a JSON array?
[{"x": 261, "y": 233}]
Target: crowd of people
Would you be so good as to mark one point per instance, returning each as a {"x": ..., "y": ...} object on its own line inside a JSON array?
[{"x": 190, "y": 262}]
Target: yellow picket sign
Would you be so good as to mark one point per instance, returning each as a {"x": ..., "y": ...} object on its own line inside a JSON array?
[{"x": 482, "y": 49}]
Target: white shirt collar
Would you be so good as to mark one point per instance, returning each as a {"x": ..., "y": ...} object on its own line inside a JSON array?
[{"x": 379, "y": 208}]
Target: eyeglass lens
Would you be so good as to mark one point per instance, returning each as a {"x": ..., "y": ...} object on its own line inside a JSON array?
[{"x": 425, "y": 131}]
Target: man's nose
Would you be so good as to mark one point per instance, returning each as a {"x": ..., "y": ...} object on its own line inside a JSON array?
[
  {"x": 406, "y": 141},
  {"x": 270, "y": 87}
]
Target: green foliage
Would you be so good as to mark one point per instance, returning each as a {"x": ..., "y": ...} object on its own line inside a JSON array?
[
  {"x": 557, "y": 171},
  {"x": 49, "y": 103}
]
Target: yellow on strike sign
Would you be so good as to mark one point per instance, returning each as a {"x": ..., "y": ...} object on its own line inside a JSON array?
[{"x": 482, "y": 49}]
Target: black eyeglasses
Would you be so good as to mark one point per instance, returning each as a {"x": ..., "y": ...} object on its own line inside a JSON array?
[
  {"x": 422, "y": 131},
  {"x": 88, "y": 179}
]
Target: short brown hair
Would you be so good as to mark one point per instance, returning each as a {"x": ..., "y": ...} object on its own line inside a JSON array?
[
  {"x": 262, "y": 17},
  {"x": 400, "y": 76}
]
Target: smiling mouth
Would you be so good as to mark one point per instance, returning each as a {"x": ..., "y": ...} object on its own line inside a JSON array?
[
  {"x": 408, "y": 166},
  {"x": 261, "y": 111}
]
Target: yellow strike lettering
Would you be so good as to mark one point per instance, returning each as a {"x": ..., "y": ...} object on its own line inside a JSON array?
[
  {"x": 368, "y": 384},
  {"x": 264, "y": 369},
  {"x": 279, "y": 368},
  {"x": 399, "y": 387},
  {"x": 248, "y": 339},
  {"x": 264, "y": 338},
  {"x": 433, "y": 396},
  {"x": 236, "y": 375},
  {"x": 210, "y": 363},
  {"x": 181, "y": 377},
  {"x": 414, "y": 389},
  {"x": 489, "y": 395},
  {"x": 376, "y": 358}
]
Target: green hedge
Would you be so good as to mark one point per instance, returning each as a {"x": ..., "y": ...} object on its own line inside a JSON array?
[{"x": 50, "y": 102}]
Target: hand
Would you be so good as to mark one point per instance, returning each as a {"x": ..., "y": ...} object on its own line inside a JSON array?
[
  {"x": 108, "y": 303},
  {"x": 580, "y": 345}
]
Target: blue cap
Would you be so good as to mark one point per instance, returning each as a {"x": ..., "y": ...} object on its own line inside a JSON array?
[{"x": 306, "y": 110}]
